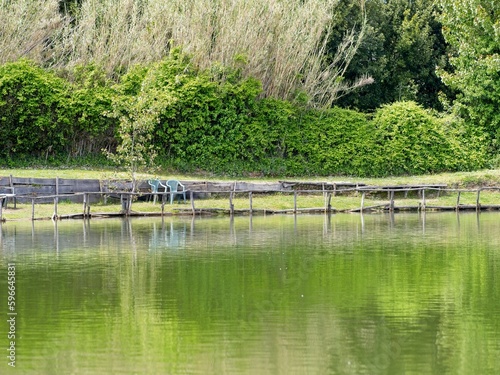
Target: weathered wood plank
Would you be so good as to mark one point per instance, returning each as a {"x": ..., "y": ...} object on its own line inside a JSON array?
[
  {"x": 34, "y": 190},
  {"x": 33, "y": 181}
]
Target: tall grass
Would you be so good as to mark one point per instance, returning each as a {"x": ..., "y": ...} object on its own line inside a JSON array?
[
  {"x": 280, "y": 42},
  {"x": 30, "y": 29}
]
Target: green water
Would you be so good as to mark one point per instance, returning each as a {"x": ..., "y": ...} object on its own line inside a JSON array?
[{"x": 346, "y": 294}]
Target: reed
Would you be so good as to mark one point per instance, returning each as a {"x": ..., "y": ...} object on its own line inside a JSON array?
[
  {"x": 281, "y": 43},
  {"x": 30, "y": 29}
]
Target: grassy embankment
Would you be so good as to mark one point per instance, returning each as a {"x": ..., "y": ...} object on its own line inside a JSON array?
[{"x": 278, "y": 201}]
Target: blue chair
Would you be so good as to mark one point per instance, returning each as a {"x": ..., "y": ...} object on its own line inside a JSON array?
[
  {"x": 175, "y": 188},
  {"x": 156, "y": 185}
]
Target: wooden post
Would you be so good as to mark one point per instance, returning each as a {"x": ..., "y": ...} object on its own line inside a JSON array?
[
  {"x": 32, "y": 209},
  {"x": 478, "y": 205},
  {"x": 391, "y": 204},
  {"x": 423, "y": 199},
  {"x": 105, "y": 195},
  {"x": 129, "y": 203},
  {"x": 294, "y": 202},
  {"x": 57, "y": 196},
  {"x": 328, "y": 206},
  {"x": 191, "y": 198},
  {"x": 250, "y": 203},
  {"x": 362, "y": 201},
  {"x": 88, "y": 204},
  {"x": 1, "y": 207},
  {"x": 11, "y": 184},
  {"x": 231, "y": 206},
  {"x": 54, "y": 216},
  {"x": 162, "y": 205},
  {"x": 84, "y": 204},
  {"x": 458, "y": 201}
]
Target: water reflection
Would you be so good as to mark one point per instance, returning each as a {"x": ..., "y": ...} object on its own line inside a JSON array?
[
  {"x": 333, "y": 294},
  {"x": 169, "y": 235}
]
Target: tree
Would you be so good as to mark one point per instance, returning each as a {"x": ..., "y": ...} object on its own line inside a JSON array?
[
  {"x": 472, "y": 28},
  {"x": 138, "y": 117},
  {"x": 401, "y": 48}
]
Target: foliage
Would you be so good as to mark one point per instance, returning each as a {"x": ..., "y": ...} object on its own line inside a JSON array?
[
  {"x": 406, "y": 139},
  {"x": 281, "y": 43},
  {"x": 137, "y": 120},
  {"x": 472, "y": 29},
  {"x": 215, "y": 120},
  {"x": 402, "y": 45},
  {"x": 45, "y": 115},
  {"x": 31, "y": 29},
  {"x": 202, "y": 114},
  {"x": 32, "y": 111},
  {"x": 91, "y": 97},
  {"x": 325, "y": 142}
]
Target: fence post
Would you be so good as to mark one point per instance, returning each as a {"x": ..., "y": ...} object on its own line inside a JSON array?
[
  {"x": 391, "y": 204},
  {"x": 88, "y": 204},
  {"x": 328, "y": 197},
  {"x": 11, "y": 184},
  {"x": 191, "y": 198},
  {"x": 295, "y": 202},
  {"x": 478, "y": 205},
  {"x": 231, "y": 206},
  {"x": 84, "y": 204},
  {"x": 129, "y": 203},
  {"x": 32, "y": 209},
  {"x": 362, "y": 201},
  {"x": 250, "y": 203},
  {"x": 458, "y": 201},
  {"x": 56, "y": 200}
]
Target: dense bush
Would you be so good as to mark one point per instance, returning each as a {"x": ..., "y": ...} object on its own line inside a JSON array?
[
  {"x": 32, "y": 111},
  {"x": 403, "y": 138},
  {"x": 207, "y": 119},
  {"x": 91, "y": 99},
  {"x": 215, "y": 120},
  {"x": 326, "y": 142},
  {"x": 44, "y": 115}
]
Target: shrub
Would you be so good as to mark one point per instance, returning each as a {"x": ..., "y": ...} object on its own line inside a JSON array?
[
  {"x": 406, "y": 139},
  {"x": 32, "y": 110},
  {"x": 328, "y": 141}
]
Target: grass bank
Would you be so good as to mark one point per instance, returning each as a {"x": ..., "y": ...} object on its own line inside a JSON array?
[{"x": 490, "y": 177}]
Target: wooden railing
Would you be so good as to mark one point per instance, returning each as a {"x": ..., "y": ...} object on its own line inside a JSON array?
[{"x": 127, "y": 198}]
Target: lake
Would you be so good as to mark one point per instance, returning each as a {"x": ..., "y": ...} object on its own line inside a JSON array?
[{"x": 341, "y": 294}]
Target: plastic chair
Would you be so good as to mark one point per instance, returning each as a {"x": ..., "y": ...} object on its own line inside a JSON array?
[
  {"x": 156, "y": 185},
  {"x": 175, "y": 188}
]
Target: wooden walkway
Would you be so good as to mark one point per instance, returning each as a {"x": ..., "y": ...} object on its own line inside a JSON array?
[{"x": 394, "y": 198}]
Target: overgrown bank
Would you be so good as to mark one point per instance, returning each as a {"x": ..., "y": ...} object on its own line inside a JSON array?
[{"x": 217, "y": 121}]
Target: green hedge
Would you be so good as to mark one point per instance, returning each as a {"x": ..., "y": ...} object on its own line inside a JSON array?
[
  {"x": 32, "y": 115},
  {"x": 44, "y": 115},
  {"x": 216, "y": 121},
  {"x": 403, "y": 138}
]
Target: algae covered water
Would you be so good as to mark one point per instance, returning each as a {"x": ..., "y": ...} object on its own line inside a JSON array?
[{"x": 341, "y": 294}]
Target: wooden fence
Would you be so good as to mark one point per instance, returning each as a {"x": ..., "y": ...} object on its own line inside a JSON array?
[{"x": 394, "y": 193}]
